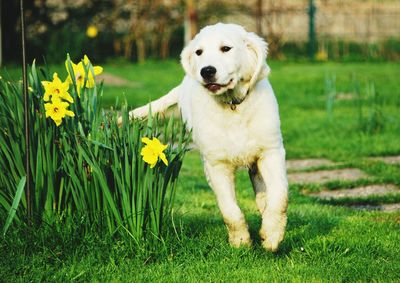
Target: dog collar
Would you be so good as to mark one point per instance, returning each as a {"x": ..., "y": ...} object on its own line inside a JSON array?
[{"x": 234, "y": 102}]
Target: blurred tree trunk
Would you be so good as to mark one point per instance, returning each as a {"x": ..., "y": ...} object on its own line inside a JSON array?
[
  {"x": 259, "y": 16},
  {"x": 164, "y": 53},
  {"x": 274, "y": 26},
  {"x": 155, "y": 44},
  {"x": 147, "y": 26},
  {"x": 141, "y": 49},
  {"x": 138, "y": 28},
  {"x": 191, "y": 20},
  {"x": 128, "y": 41},
  {"x": 117, "y": 46}
]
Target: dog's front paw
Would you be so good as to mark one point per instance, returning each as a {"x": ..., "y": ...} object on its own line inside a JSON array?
[
  {"x": 272, "y": 231},
  {"x": 272, "y": 240},
  {"x": 238, "y": 234},
  {"x": 139, "y": 113}
]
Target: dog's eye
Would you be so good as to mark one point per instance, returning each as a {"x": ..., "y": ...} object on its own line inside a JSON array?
[
  {"x": 199, "y": 52},
  {"x": 225, "y": 48}
]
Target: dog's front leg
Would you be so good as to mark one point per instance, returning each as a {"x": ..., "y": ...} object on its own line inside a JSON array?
[
  {"x": 221, "y": 179},
  {"x": 273, "y": 170},
  {"x": 158, "y": 106}
]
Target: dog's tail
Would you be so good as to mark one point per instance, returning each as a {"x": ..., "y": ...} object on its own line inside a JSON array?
[{"x": 158, "y": 106}]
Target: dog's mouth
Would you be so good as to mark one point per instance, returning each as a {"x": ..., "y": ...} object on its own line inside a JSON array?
[{"x": 214, "y": 87}]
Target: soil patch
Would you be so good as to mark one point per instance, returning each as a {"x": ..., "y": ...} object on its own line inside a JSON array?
[
  {"x": 324, "y": 176},
  {"x": 114, "y": 80}
]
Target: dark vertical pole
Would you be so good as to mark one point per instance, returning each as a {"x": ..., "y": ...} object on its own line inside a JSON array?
[
  {"x": 1, "y": 35},
  {"x": 26, "y": 111},
  {"x": 311, "y": 31}
]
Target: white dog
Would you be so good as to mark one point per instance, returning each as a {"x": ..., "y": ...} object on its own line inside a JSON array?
[{"x": 228, "y": 102}]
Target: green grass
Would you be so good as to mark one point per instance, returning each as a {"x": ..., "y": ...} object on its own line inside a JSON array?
[{"x": 324, "y": 241}]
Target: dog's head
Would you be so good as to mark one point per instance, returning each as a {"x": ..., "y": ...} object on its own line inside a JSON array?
[{"x": 225, "y": 57}]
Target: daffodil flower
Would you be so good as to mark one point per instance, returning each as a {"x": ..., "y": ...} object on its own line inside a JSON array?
[
  {"x": 81, "y": 75},
  {"x": 92, "y": 31},
  {"x": 56, "y": 89},
  {"x": 152, "y": 151},
  {"x": 57, "y": 110}
]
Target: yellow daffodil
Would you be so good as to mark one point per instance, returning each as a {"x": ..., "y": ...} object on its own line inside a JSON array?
[
  {"x": 92, "y": 31},
  {"x": 152, "y": 151},
  {"x": 57, "y": 110},
  {"x": 321, "y": 55},
  {"x": 81, "y": 75},
  {"x": 56, "y": 89}
]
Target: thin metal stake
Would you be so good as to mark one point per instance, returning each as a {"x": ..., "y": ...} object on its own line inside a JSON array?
[{"x": 26, "y": 117}]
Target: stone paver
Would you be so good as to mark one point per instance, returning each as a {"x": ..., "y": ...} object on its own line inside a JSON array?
[
  {"x": 324, "y": 176},
  {"x": 389, "y": 207},
  {"x": 364, "y": 191},
  {"x": 345, "y": 96},
  {"x": 387, "y": 159},
  {"x": 302, "y": 164}
]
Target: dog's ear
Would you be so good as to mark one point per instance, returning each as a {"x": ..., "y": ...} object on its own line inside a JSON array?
[
  {"x": 258, "y": 49},
  {"x": 187, "y": 60}
]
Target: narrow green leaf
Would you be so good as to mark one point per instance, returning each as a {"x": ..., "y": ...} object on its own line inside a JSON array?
[{"x": 14, "y": 206}]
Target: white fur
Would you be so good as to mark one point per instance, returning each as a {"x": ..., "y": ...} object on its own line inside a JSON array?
[{"x": 229, "y": 137}]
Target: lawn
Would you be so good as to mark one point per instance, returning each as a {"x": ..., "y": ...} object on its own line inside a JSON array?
[{"x": 345, "y": 112}]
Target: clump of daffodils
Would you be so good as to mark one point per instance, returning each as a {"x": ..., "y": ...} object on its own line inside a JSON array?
[
  {"x": 56, "y": 92},
  {"x": 57, "y": 99}
]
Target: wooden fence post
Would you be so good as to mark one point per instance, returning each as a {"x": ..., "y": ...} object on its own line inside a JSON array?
[{"x": 311, "y": 31}]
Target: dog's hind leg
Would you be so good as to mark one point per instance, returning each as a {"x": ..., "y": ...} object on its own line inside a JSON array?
[
  {"x": 221, "y": 179},
  {"x": 259, "y": 187},
  {"x": 272, "y": 168}
]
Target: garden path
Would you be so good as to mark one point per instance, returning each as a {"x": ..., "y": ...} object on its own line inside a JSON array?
[
  {"x": 113, "y": 80},
  {"x": 310, "y": 173}
]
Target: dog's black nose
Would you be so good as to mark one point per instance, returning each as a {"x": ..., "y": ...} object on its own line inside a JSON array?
[{"x": 208, "y": 72}]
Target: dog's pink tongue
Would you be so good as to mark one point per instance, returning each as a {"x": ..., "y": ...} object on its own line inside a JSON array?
[{"x": 213, "y": 87}]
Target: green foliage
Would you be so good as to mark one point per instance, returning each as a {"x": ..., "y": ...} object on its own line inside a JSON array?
[
  {"x": 13, "y": 209},
  {"x": 88, "y": 168},
  {"x": 330, "y": 90},
  {"x": 374, "y": 122},
  {"x": 323, "y": 242},
  {"x": 345, "y": 50},
  {"x": 369, "y": 104}
]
